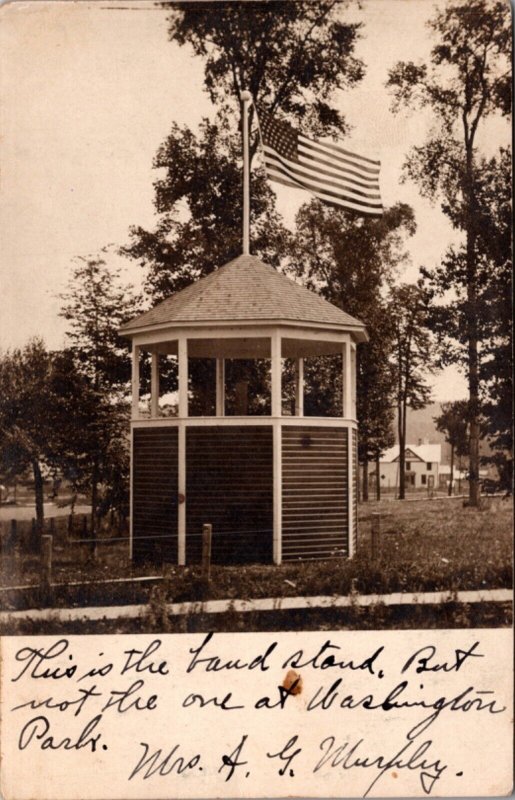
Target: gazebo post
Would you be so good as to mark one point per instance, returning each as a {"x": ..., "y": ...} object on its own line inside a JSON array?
[
  {"x": 349, "y": 412},
  {"x": 220, "y": 387},
  {"x": 135, "y": 381},
  {"x": 182, "y": 350},
  {"x": 299, "y": 387},
  {"x": 154, "y": 386},
  {"x": 275, "y": 352},
  {"x": 346, "y": 381},
  {"x": 353, "y": 381}
]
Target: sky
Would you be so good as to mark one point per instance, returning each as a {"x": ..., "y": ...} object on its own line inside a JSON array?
[{"x": 89, "y": 91}]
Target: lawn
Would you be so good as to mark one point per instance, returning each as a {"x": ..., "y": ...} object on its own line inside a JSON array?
[{"x": 424, "y": 545}]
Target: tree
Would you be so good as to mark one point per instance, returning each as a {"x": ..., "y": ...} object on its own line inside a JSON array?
[
  {"x": 96, "y": 305},
  {"x": 285, "y": 54},
  {"x": 467, "y": 81},
  {"x": 350, "y": 261},
  {"x": 290, "y": 56},
  {"x": 40, "y": 394},
  {"x": 199, "y": 202},
  {"x": 411, "y": 360},
  {"x": 453, "y": 422}
]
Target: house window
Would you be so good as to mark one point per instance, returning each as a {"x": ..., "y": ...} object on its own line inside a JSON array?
[
  {"x": 408, "y": 466},
  {"x": 423, "y": 479},
  {"x": 429, "y": 465}
]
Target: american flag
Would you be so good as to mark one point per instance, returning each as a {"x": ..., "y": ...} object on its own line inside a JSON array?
[{"x": 328, "y": 171}]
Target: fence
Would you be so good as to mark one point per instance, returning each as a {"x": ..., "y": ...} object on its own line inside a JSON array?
[{"x": 22, "y": 533}]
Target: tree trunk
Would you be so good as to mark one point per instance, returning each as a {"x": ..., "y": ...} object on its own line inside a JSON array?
[
  {"x": 401, "y": 429},
  {"x": 39, "y": 499},
  {"x": 365, "y": 479},
  {"x": 452, "y": 471},
  {"x": 94, "y": 504},
  {"x": 472, "y": 335},
  {"x": 378, "y": 479}
]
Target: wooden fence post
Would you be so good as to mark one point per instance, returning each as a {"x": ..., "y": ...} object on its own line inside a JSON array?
[
  {"x": 376, "y": 534},
  {"x": 52, "y": 525},
  {"x": 85, "y": 525},
  {"x": 46, "y": 569},
  {"x": 207, "y": 532},
  {"x": 13, "y": 535},
  {"x": 33, "y": 535}
]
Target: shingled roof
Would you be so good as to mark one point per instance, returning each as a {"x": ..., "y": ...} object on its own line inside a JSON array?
[{"x": 243, "y": 290}]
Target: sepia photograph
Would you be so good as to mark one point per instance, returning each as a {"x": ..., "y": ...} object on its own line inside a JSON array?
[
  {"x": 256, "y": 455},
  {"x": 255, "y": 360}
]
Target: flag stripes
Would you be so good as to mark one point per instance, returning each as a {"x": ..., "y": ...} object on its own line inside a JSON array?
[{"x": 331, "y": 173}]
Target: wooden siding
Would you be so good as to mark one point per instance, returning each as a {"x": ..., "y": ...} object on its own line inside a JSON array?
[
  {"x": 355, "y": 487},
  {"x": 314, "y": 492},
  {"x": 155, "y": 494},
  {"x": 229, "y": 483}
]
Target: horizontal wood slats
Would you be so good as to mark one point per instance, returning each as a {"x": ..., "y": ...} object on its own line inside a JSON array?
[
  {"x": 155, "y": 494},
  {"x": 314, "y": 492},
  {"x": 229, "y": 483}
]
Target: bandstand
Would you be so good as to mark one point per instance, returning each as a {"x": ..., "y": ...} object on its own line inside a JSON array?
[{"x": 275, "y": 485}]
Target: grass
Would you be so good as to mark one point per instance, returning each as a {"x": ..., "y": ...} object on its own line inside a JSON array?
[
  {"x": 425, "y": 545},
  {"x": 378, "y": 617}
]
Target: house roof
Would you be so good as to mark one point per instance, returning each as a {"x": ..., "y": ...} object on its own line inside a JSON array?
[
  {"x": 425, "y": 452},
  {"x": 243, "y": 290}
]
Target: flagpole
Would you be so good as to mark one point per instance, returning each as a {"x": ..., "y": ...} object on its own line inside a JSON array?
[{"x": 246, "y": 99}]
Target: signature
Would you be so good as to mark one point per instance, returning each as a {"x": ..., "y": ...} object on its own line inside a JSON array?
[{"x": 413, "y": 755}]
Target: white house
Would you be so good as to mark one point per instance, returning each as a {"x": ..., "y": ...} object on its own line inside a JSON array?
[{"x": 423, "y": 464}]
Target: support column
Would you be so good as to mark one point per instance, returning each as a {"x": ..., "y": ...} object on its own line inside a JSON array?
[
  {"x": 275, "y": 346},
  {"x": 154, "y": 386},
  {"x": 278, "y": 493},
  {"x": 135, "y": 381},
  {"x": 182, "y": 350},
  {"x": 220, "y": 387},
  {"x": 347, "y": 381},
  {"x": 277, "y": 436},
  {"x": 353, "y": 380},
  {"x": 299, "y": 387},
  {"x": 181, "y": 513},
  {"x": 351, "y": 467}
]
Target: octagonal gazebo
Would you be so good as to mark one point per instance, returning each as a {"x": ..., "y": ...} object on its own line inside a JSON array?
[{"x": 275, "y": 487}]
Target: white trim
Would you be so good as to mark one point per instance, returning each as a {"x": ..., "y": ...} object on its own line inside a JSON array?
[
  {"x": 163, "y": 332},
  {"x": 353, "y": 380},
  {"x": 345, "y": 380},
  {"x": 299, "y": 387},
  {"x": 154, "y": 386},
  {"x": 202, "y": 422},
  {"x": 220, "y": 387},
  {"x": 131, "y": 496},
  {"x": 183, "y": 376},
  {"x": 350, "y": 471},
  {"x": 181, "y": 510},
  {"x": 135, "y": 380},
  {"x": 275, "y": 351},
  {"x": 277, "y": 493}
]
